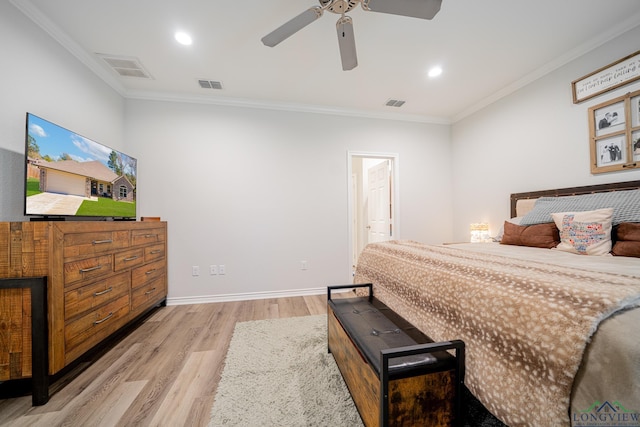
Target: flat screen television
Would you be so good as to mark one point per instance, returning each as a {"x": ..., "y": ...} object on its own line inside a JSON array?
[{"x": 68, "y": 175}]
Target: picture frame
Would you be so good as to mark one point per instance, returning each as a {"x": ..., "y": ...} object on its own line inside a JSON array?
[
  {"x": 614, "y": 131},
  {"x": 635, "y": 144},
  {"x": 609, "y": 77},
  {"x": 609, "y": 119},
  {"x": 610, "y": 151},
  {"x": 635, "y": 111}
]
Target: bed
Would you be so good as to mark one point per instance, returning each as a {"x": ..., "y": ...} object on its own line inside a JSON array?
[{"x": 549, "y": 316}]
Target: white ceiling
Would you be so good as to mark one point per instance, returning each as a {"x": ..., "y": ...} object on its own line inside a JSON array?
[{"x": 487, "y": 48}]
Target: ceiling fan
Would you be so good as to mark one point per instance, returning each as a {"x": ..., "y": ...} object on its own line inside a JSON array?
[{"x": 424, "y": 9}]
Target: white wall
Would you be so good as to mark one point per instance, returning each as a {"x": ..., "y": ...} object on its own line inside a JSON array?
[
  {"x": 534, "y": 139},
  {"x": 261, "y": 190},
  {"x": 39, "y": 76}
]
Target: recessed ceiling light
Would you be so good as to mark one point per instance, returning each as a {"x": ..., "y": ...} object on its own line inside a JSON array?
[
  {"x": 435, "y": 72},
  {"x": 183, "y": 38}
]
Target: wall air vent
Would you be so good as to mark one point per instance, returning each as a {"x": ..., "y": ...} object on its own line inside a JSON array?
[
  {"x": 394, "y": 103},
  {"x": 126, "y": 66},
  {"x": 209, "y": 84}
]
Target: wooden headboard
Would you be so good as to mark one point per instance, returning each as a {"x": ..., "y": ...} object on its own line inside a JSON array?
[{"x": 573, "y": 191}]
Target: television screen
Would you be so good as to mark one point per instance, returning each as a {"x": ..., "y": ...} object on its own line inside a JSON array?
[{"x": 70, "y": 175}]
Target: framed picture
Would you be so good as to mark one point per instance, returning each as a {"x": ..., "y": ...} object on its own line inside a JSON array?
[
  {"x": 614, "y": 130},
  {"x": 635, "y": 111},
  {"x": 611, "y": 151},
  {"x": 610, "y": 119},
  {"x": 612, "y": 76},
  {"x": 635, "y": 145}
]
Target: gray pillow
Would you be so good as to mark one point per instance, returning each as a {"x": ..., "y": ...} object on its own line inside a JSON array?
[{"x": 625, "y": 204}]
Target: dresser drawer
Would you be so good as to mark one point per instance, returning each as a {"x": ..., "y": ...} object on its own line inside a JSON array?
[
  {"x": 148, "y": 294},
  {"x": 154, "y": 252},
  {"x": 87, "y": 297},
  {"x": 87, "y": 269},
  {"x": 146, "y": 273},
  {"x": 92, "y": 243},
  {"x": 86, "y": 331},
  {"x": 152, "y": 235},
  {"x": 128, "y": 259}
]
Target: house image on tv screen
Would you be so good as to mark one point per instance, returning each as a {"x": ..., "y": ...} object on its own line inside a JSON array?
[
  {"x": 70, "y": 175},
  {"x": 85, "y": 179}
]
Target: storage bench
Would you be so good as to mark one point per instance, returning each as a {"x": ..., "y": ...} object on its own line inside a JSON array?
[{"x": 397, "y": 376}]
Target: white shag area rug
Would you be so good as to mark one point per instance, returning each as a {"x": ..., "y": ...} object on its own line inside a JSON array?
[{"x": 278, "y": 372}]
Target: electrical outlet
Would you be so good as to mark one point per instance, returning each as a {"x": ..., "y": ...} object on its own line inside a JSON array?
[
  {"x": 195, "y": 270},
  {"x": 304, "y": 265},
  {"x": 213, "y": 270},
  {"x": 222, "y": 270}
]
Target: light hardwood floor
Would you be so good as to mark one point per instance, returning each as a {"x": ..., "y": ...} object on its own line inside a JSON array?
[{"x": 164, "y": 373}]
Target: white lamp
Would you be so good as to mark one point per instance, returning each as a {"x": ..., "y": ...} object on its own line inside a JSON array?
[{"x": 479, "y": 232}]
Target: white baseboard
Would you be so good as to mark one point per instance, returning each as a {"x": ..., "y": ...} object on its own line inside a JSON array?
[{"x": 204, "y": 299}]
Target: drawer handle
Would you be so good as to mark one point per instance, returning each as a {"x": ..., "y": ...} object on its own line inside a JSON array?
[
  {"x": 150, "y": 291},
  {"x": 157, "y": 251},
  {"x": 376, "y": 332},
  {"x": 99, "y": 242},
  {"x": 106, "y": 291},
  {"x": 86, "y": 270},
  {"x": 109, "y": 316},
  {"x": 150, "y": 271},
  {"x": 148, "y": 236},
  {"x": 131, "y": 258}
]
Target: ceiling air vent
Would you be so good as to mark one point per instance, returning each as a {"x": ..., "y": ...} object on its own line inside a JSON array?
[
  {"x": 394, "y": 103},
  {"x": 209, "y": 84},
  {"x": 126, "y": 66}
]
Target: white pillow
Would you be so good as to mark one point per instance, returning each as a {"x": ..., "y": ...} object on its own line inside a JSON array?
[{"x": 585, "y": 233}]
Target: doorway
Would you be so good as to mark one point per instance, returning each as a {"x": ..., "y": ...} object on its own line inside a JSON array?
[{"x": 373, "y": 201}]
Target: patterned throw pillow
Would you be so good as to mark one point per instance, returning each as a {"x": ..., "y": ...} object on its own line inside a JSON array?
[{"x": 585, "y": 233}]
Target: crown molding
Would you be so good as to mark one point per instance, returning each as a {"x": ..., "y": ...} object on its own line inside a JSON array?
[
  {"x": 625, "y": 26},
  {"x": 42, "y": 21},
  {"x": 281, "y": 106}
]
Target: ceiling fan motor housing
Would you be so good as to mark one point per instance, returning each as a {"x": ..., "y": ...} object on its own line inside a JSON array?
[{"x": 339, "y": 6}]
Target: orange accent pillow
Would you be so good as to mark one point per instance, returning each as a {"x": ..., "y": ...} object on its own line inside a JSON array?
[
  {"x": 628, "y": 240},
  {"x": 538, "y": 236}
]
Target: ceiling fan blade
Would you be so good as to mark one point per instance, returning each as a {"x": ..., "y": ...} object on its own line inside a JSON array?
[
  {"x": 347, "y": 43},
  {"x": 292, "y": 26},
  {"x": 424, "y": 9}
]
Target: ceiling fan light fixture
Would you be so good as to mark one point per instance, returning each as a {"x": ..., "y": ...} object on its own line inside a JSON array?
[
  {"x": 292, "y": 26},
  {"x": 347, "y": 43}
]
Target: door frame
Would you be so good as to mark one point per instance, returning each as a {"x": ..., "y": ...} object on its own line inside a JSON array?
[{"x": 394, "y": 158}]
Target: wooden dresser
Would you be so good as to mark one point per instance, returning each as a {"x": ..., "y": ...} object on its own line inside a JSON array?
[{"x": 101, "y": 276}]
